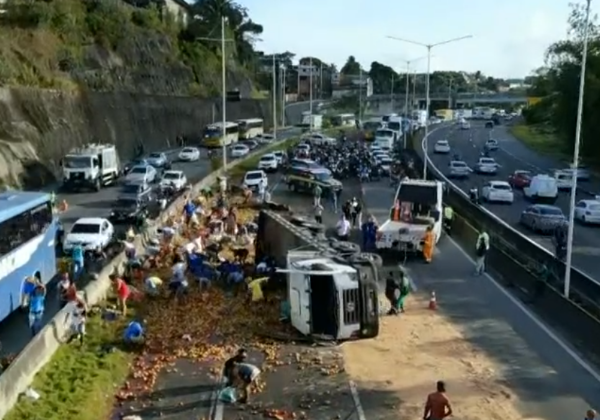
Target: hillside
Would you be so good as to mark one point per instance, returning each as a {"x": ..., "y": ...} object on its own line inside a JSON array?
[{"x": 74, "y": 71}]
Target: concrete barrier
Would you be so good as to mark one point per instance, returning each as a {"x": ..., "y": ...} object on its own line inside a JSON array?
[{"x": 21, "y": 372}]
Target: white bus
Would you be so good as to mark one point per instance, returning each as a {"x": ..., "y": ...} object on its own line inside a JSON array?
[
  {"x": 213, "y": 135},
  {"x": 343, "y": 120},
  {"x": 251, "y": 128}
]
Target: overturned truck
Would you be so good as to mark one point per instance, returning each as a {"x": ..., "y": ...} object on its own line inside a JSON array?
[{"x": 332, "y": 287}]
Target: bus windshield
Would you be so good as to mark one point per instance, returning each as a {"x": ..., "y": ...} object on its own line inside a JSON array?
[
  {"x": 212, "y": 132},
  {"x": 384, "y": 133}
]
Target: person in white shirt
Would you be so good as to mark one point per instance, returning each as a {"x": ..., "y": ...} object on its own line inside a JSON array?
[
  {"x": 343, "y": 228},
  {"x": 78, "y": 320},
  {"x": 261, "y": 190}
]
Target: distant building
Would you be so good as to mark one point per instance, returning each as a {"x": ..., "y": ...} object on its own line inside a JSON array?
[
  {"x": 517, "y": 84},
  {"x": 180, "y": 9},
  {"x": 351, "y": 85}
]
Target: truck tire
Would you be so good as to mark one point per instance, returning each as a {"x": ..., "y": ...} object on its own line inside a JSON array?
[{"x": 367, "y": 258}]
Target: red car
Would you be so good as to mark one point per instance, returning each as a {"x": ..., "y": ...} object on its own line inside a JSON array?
[{"x": 520, "y": 179}]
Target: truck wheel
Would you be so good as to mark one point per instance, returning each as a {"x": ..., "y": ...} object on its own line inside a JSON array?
[{"x": 366, "y": 258}]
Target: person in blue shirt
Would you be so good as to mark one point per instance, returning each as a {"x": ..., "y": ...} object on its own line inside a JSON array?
[
  {"x": 37, "y": 304},
  {"x": 77, "y": 255},
  {"x": 134, "y": 333},
  {"x": 189, "y": 209},
  {"x": 369, "y": 234}
]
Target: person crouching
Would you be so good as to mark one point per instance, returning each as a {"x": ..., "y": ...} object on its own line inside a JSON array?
[{"x": 245, "y": 375}]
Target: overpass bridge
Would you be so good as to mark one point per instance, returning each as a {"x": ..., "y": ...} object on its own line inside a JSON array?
[{"x": 456, "y": 100}]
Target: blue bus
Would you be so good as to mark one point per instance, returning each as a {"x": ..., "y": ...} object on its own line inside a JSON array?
[{"x": 27, "y": 245}]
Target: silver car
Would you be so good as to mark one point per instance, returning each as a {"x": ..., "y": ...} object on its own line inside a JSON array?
[
  {"x": 542, "y": 218},
  {"x": 459, "y": 169},
  {"x": 141, "y": 174}
]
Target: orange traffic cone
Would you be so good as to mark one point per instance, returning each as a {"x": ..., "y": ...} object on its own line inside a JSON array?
[{"x": 432, "y": 302}]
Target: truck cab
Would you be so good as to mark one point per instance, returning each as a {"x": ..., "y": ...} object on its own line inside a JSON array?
[
  {"x": 331, "y": 297},
  {"x": 417, "y": 205},
  {"x": 91, "y": 167}
]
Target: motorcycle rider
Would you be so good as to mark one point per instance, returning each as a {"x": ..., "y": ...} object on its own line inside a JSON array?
[{"x": 448, "y": 218}]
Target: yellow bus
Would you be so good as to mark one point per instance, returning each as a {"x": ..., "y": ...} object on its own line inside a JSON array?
[
  {"x": 213, "y": 135},
  {"x": 343, "y": 120},
  {"x": 251, "y": 128},
  {"x": 370, "y": 127}
]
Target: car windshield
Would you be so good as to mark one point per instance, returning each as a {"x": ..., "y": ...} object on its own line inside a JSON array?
[
  {"x": 77, "y": 162},
  {"x": 523, "y": 174},
  {"x": 459, "y": 164},
  {"x": 188, "y": 150},
  {"x": 502, "y": 187},
  {"x": 386, "y": 160},
  {"x": 487, "y": 161},
  {"x": 139, "y": 170},
  {"x": 384, "y": 133},
  {"x": 267, "y": 158},
  {"x": 131, "y": 189},
  {"x": 551, "y": 211},
  {"x": 171, "y": 175},
  {"x": 278, "y": 153},
  {"x": 240, "y": 147},
  {"x": 254, "y": 175},
  {"x": 322, "y": 176},
  {"x": 155, "y": 155},
  {"x": 126, "y": 202},
  {"x": 442, "y": 143},
  {"x": 85, "y": 228}
]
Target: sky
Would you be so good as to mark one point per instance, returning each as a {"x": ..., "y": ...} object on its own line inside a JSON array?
[{"x": 509, "y": 38}]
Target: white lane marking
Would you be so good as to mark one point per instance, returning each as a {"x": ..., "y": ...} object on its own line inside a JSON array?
[
  {"x": 359, "y": 409},
  {"x": 561, "y": 343}
]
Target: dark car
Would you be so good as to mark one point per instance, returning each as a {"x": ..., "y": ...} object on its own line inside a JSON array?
[
  {"x": 129, "y": 210},
  {"x": 489, "y": 124},
  {"x": 305, "y": 180}
]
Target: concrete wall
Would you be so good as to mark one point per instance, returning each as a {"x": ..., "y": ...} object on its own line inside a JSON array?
[{"x": 37, "y": 127}]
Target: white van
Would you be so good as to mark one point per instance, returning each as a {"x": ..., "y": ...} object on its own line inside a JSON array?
[
  {"x": 543, "y": 189},
  {"x": 564, "y": 180},
  {"x": 385, "y": 138}
]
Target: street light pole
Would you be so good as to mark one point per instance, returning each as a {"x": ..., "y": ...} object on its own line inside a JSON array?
[
  {"x": 392, "y": 93},
  {"x": 274, "y": 97},
  {"x": 310, "y": 89},
  {"x": 569, "y": 262},
  {"x": 283, "y": 86},
  {"x": 406, "y": 93},
  {"x": 224, "y": 96},
  {"x": 429, "y": 48},
  {"x": 360, "y": 94}
]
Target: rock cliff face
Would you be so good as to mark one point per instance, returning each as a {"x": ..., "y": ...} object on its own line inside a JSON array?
[{"x": 37, "y": 127}]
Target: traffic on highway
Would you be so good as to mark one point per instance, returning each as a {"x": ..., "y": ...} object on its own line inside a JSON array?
[
  {"x": 535, "y": 200},
  {"x": 98, "y": 220}
]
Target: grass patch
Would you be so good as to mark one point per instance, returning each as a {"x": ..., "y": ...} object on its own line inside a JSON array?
[
  {"x": 80, "y": 382},
  {"x": 539, "y": 139}
]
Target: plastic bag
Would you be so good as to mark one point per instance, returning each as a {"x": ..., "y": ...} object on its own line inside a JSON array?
[{"x": 228, "y": 395}]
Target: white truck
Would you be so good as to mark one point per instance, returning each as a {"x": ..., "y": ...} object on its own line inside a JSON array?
[
  {"x": 417, "y": 205},
  {"x": 331, "y": 296},
  {"x": 90, "y": 167},
  {"x": 312, "y": 121},
  {"x": 420, "y": 118}
]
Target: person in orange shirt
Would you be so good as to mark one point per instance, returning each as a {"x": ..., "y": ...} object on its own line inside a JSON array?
[
  {"x": 437, "y": 406},
  {"x": 428, "y": 244}
]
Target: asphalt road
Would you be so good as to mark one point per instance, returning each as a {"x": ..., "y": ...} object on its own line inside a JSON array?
[
  {"x": 514, "y": 156},
  {"x": 546, "y": 375},
  {"x": 14, "y": 333}
]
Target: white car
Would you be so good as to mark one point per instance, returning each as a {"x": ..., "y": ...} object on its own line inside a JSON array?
[
  {"x": 264, "y": 138},
  {"x": 386, "y": 164},
  {"x": 459, "y": 169},
  {"x": 280, "y": 155},
  {"x": 492, "y": 144},
  {"x": 588, "y": 211},
  {"x": 189, "y": 154},
  {"x": 303, "y": 148},
  {"x": 268, "y": 163},
  {"x": 175, "y": 179},
  {"x": 564, "y": 180},
  {"x": 465, "y": 126},
  {"x": 487, "y": 166},
  {"x": 141, "y": 174},
  {"x": 239, "y": 150},
  {"x": 318, "y": 139},
  {"x": 498, "y": 192},
  {"x": 441, "y": 146},
  {"x": 252, "y": 179},
  {"x": 91, "y": 233}
]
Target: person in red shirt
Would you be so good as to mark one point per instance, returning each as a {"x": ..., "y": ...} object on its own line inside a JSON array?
[
  {"x": 122, "y": 291},
  {"x": 437, "y": 406}
]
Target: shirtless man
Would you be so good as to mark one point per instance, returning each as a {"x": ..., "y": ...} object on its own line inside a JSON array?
[{"x": 437, "y": 406}]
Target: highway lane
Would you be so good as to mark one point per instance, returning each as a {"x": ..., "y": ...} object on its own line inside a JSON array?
[
  {"x": 540, "y": 372},
  {"x": 469, "y": 143},
  {"x": 14, "y": 333}
]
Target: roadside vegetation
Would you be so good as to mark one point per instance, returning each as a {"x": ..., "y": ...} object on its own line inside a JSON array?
[
  {"x": 111, "y": 45},
  {"x": 551, "y": 122}
]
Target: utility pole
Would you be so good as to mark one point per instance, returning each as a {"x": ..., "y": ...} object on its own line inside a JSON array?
[
  {"x": 274, "y": 96},
  {"x": 450, "y": 92},
  {"x": 310, "y": 90},
  {"x": 224, "y": 87},
  {"x": 283, "y": 85},
  {"x": 360, "y": 95},
  {"x": 321, "y": 82},
  {"x": 392, "y": 92}
]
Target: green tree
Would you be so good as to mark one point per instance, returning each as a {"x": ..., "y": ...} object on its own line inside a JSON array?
[{"x": 352, "y": 67}]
